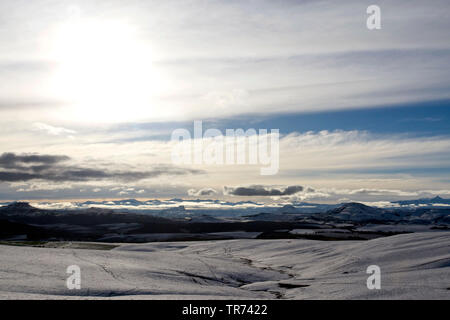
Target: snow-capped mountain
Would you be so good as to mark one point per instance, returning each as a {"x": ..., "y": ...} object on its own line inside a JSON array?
[
  {"x": 426, "y": 201},
  {"x": 354, "y": 211},
  {"x": 358, "y": 212}
]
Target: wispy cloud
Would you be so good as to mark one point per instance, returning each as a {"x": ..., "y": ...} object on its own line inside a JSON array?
[
  {"x": 286, "y": 62},
  {"x": 56, "y": 131},
  {"x": 202, "y": 192}
]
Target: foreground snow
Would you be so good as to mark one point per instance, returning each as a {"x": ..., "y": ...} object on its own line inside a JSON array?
[{"x": 413, "y": 266}]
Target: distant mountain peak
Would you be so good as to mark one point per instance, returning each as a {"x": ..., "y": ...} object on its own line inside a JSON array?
[
  {"x": 20, "y": 205},
  {"x": 287, "y": 209},
  {"x": 355, "y": 205},
  {"x": 19, "y": 208},
  {"x": 176, "y": 209},
  {"x": 355, "y": 211},
  {"x": 426, "y": 201}
]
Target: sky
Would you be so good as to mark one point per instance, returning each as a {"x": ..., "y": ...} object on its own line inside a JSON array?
[{"x": 91, "y": 92}]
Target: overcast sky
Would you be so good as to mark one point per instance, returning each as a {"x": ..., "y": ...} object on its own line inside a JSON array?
[{"x": 90, "y": 92}]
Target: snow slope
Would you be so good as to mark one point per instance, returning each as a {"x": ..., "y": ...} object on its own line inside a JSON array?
[{"x": 413, "y": 266}]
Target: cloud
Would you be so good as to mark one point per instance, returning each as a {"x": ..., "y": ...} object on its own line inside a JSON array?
[
  {"x": 28, "y": 167},
  {"x": 349, "y": 160},
  {"x": 42, "y": 186},
  {"x": 33, "y": 162},
  {"x": 55, "y": 131},
  {"x": 17, "y": 176},
  {"x": 285, "y": 63},
  {"x": 226, "y": 99},
  {"x": 344, "y": 195},
  {"x": 358, "y": 151},
  {"x": 9, "y": 158},
  {"x": 127, "y": 190},
  {"x": 380, "y": 192},
  {"x": 202, "y": 192},
  {"x": 264, "y": 191},
  {"x": 279, "y": 42}
]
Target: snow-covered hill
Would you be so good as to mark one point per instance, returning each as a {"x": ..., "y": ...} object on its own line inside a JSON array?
[{"x": 413, "y": 266}]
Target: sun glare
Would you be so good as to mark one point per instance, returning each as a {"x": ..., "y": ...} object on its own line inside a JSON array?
[{"x": 105, "y": 72}]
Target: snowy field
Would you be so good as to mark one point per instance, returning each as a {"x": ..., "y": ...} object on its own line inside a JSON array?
[{"x": 413, "y": 266}]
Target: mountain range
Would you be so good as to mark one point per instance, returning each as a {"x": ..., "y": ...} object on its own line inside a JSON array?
[{"x": 100, "y": 224}]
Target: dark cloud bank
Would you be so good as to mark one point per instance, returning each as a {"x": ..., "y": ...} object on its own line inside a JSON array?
[
  {"x": 25, "y": 167},
  {"x": 263, "y": 191},
  {"x": 202, "y": 192}
]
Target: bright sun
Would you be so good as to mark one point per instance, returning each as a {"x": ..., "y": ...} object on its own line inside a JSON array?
[{"x": 105, "y": 72}]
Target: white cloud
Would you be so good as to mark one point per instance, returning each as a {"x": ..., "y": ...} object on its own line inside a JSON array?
[
  {"x": 41, "y": 186},
  {"x": 51, "y": 130}
]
